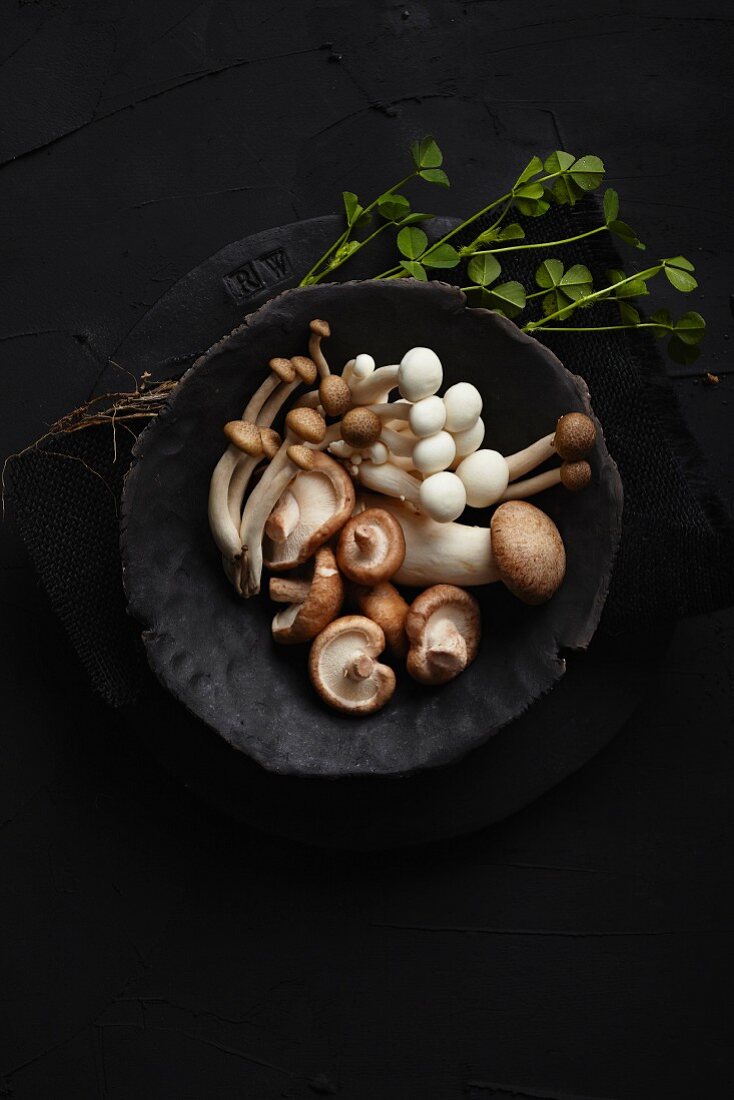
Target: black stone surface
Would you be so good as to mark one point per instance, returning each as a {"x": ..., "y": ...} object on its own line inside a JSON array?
[
  {"x": 214, "y": 652},
  {"x": 151, "y": 948}
]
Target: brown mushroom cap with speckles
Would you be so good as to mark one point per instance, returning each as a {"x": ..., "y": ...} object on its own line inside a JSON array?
[
  {"x": 303, "y": 619},
  {"x": 528, "y": 551},
  {"x": 371, "y": 547},
  {"x": 307, "y": 424},
  {"x": 361, "y": 427},
  {"x": 335, "y": 395},
  {"x": 245, "y": 436},
  {"x": 575, "y": 436},
  {"x": 575, "y": 475}
]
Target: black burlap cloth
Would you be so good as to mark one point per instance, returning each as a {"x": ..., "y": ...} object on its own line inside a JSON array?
[{"x": 677, "y": 546}]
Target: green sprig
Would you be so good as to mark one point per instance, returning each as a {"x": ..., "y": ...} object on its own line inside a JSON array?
[{"x": 560, "y": 179}]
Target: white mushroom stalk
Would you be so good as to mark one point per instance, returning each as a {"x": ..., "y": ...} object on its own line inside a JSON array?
[
  {"x": 237, "y": 464},
  {"x": 301, "y": 425},
  {"x": 522, "y": 548}
]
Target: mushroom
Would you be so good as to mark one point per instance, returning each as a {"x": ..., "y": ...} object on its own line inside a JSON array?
[
  {"x": 232, "y": 474},
  {"x": 427, "y": 417},
  {"x": 573, "y": 438},
  {"x": 360, "y": 428},
  {"x": 320, "y": 330},
  {"x": 444, "y": 628},
  {"x": 463, "y": 404},
  {"x": 312, "y": 603},
  {"x": 371, "y": 547},
  {"x": 434, "y": 453},
  {"x": 572, "y": 475},
  {"x": 386, "y": 607},
  {"x": 334, "y": 395},
  {"x": 522, "y": 548},
  {"x": 528, "y": 551},
  {"x": 390, "y": 479},
  {"x": 470, "y": 439},
  {"x": 419, "y": 374},
  {"x": 245, "y": 436},
  {"x": 300, "y": 423},
  {"x": 486, "y": 473},
  {"x": 443, "y": 496},
  {"x": 358, "y": 369},
  {"x": 343, "y": 668},
  {"x": 314, "y": 506}
]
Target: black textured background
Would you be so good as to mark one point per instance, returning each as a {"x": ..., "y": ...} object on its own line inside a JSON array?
[{"x": 581, "y": 948}]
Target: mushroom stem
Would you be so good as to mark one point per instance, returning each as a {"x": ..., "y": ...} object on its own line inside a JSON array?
[
  {"x": 375, "y": 386},
  {"x": 391, "y": 481},
  {"x": 232, "y": 473},
  {"x": 447, "y": 653},
  {"x": 285, "y": 590},
  {"x": 392, "y": 410},
  {"x": 398, "y": 443},
  {"x": 284, "y": 518},
  {"x": 439, "y": 553},
  {"x": 319, "y": 330},
  {"x": 274, "y": 481},
  {"x": 572, "y": 440},
  {"x": 532, "y": 485},
  {"x": 364, "y": 536},
  {"x": 523, "y": 461},
  {"x": 360, "y": 667}
]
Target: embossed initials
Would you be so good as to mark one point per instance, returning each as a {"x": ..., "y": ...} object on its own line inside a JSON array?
[{"x": 255, "y": 275}]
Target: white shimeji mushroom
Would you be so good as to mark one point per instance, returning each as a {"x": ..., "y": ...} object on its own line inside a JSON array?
[
  {"x": 463, "y": 404},
  {"x": 419, "y": 374}
]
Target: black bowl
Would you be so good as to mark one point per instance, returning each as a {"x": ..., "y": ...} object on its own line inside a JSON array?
[{"x": 214, "y": 652}]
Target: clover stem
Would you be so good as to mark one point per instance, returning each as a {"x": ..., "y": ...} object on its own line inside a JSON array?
[
  {"x": 648, "y": 273},
  {"x": 543, "y": 244},
  {"x": 309, "y": 278}
]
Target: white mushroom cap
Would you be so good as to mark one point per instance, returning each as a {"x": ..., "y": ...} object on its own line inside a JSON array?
[
  {"x": 427, "y": 417},
  {"x": 443, "y": 496},
  {"x": 463, "y": 406},
  {"x": 485, "y": 476},
  {"x": 470, "y": 439},
  {"x": 434, "y": 453},
  {"x": 343, "y": 668},
  {"x": 363, "y": 366},
  {"x": 420, "y": 374}
]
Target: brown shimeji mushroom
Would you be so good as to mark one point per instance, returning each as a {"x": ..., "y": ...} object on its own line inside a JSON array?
[
  {"x": 316, "y": 505},
  {"x": 386, "y": 607},
  {"x": 320, "y": 330},
  {"x": 343, "y": 667},
  {"x": 444, "y": 628},
  {"x": 301, "y": 424},
  {"x": 522, "y": 548},
  {"x": 360, "y": 428},
  {"x": 235, "y": 468},
  {"x": 371, "y": 547},
  {"x": 334, "y": 395},
  {"x": 312, "y": 602}
]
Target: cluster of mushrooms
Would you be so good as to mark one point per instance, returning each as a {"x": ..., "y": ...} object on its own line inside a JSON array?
[{"x": 363, "y": 493}]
